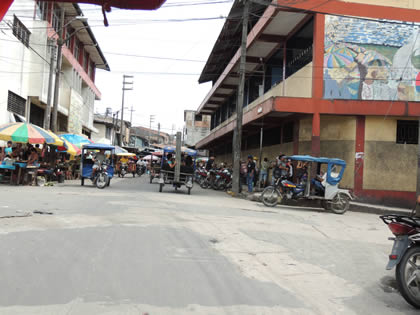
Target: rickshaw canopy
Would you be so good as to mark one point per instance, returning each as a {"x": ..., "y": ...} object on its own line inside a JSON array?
[
  {"x": 332, "y": 177},
  {"x": 98, "y": 146}
]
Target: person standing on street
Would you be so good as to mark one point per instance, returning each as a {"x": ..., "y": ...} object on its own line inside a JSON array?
[
  {"x": 209, "y": 164},
  {"x": 250, "y": 173},
  {"x": 264, "y": 172}
]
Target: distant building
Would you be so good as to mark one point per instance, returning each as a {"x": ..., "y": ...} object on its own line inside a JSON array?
[
  {"x": 141, "y": 137},
  {"x": 27, "y": 40},
  {"x": 196, "y": 127},
  {"x": 108, "y": 129}
]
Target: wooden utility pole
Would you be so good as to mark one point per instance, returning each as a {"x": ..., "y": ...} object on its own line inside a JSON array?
[
  {"x": 418, "y": 176},
  {"x": 127, "y": 86},
  {"x": 237, "y": 132},
  {"x": 47, "y": 112},
  {"x": 60, "y": 43}
]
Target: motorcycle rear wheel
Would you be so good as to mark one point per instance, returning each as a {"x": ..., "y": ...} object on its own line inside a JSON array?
[
  {"x": 270, "y": 196},
  {"x": 204, "y": 184},
  {"x": 408, "y": 276},
  {"x": 340, "y": 203}
]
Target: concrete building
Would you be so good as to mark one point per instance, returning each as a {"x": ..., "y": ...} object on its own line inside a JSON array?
[
  {"x": 196, "y": 127},
  {"x": 141, "y": 137},
  {"x": 108, "y": 129},
  {"x": 320, "y": 82},
  {"x": 25, "y": 55}
]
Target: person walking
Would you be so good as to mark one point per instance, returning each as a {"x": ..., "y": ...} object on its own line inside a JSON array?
[{"x": 250, "y": 173}]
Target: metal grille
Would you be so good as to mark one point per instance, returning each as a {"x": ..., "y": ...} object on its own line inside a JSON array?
[
  {"x": 20, "y": 31},
  {"x": 408, "y": 131},
  {"x": 16, "y": 104}
]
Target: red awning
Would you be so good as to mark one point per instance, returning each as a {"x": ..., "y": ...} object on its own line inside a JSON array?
[
  {"x": 106, "y": 4},
  {"x": 122, "y": 4},
  {"x": 4, "y": 6}
]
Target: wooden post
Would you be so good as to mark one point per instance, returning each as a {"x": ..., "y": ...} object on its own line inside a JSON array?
[{"x": 237, "y": 132}]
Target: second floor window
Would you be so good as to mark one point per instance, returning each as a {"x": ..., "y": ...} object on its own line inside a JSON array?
[
  {"x": 56, "y": 19},
  {"x": 42, "y": 10},
  {"x": 20, "y": 31},
  {"x": 16, "y": 104}
]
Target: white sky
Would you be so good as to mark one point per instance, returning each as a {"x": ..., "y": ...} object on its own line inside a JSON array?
[{"x": 165, "y": 96}]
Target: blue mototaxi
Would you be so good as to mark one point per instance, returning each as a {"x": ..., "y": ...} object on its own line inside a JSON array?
[
  {"x": 86, "y": 165},
  {"x": 180, "y": 174},
  {"x": 332, "y": 197}
]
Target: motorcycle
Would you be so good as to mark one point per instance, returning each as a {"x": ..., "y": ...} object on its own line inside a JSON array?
[
  {"x": 405, "y": 255},
  {"x": 209, "y": 180},
  {"x": 282, "y": 189},
  {"x": 123, "y": 170},
  {"x": 141, "y": 169},
  {"x": 100, "y": 179},
  {"x": 223, "y": 179}
]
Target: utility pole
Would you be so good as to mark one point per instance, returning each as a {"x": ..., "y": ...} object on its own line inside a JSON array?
[
  {"x": 237, "y": 132},
  {"x": 158, "y": 131},
  {"x": 151, "y": 120},
  {"x": 60, "y": 43},
  {"x": 47, "y": 112},
  {"x": 131, "y": 115},
  {"x": 127, "y": 86}
]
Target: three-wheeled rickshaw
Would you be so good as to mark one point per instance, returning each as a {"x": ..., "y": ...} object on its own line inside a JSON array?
[
  {"x": 181, "y": 172},
  {"x": 104, "y": 172},
  {"x": 311, "y": 185}
]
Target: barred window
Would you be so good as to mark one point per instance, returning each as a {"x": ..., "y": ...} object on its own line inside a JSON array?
[
  {"x": 408, "y": 131},
  {"x": 20, "y": 31},
  {"x": 42, "y": 10},
  {"x": 16, "y": 104}
]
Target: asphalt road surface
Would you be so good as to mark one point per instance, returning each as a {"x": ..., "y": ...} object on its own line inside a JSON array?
[{"x": 129, "y": 249}]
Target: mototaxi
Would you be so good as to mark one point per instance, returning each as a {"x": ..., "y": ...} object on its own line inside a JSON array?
[{"x": 86, "y": 164}]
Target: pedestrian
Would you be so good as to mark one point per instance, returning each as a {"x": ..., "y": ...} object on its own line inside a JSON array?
[
  {"x": 209, "y": 164},
  {"x": 8, "y": 150},
  {"x": 264, "y": 172},
  {"x": 250, "y": 173}
]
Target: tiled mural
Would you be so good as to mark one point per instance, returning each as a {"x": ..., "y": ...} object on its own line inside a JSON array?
[{"x": 371, "y": 60}]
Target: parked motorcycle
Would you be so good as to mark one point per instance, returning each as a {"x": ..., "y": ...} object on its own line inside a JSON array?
[
  {"x": 405, "y": 255},
  {"x": 223, "y": 179},
  {"x": 209, "y": 180},
  {"x": 282, "y": 189},
  {"x": 141, "y": 169},
  {"x": 100, "y": 179}
]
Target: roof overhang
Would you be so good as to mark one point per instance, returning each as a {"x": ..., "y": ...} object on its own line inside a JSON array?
[
  {"x": 266, "y": 37},
  {"x": 85, "y": 35}
]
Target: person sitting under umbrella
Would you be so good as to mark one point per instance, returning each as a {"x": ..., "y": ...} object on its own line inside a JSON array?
[{"x": 33, "y": 157}]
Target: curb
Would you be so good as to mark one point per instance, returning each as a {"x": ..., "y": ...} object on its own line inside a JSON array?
[{"x": 354, "y": 206}]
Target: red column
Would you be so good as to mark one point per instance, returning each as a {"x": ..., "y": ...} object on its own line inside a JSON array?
[
  {"x": 318, "y": 56},
  {"x": 4, "y": 6},
  {"x": 360, "y": 152},
  {"x": 316, "y": 130}
]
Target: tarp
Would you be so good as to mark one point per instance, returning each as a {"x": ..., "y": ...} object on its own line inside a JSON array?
[{"x": 309, "y": 158}]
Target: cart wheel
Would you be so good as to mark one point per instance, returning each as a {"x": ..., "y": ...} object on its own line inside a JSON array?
[
  {"x": 83, "y": 181},
  {"x": 151, "y": 179},
  {"x": 109, "y": 181},
  {"x": 176, "y": 187},
  {"x": 134, "y": 174},
  {"x": 160, "y": 187},
  {"x": 189, "y": 191}
]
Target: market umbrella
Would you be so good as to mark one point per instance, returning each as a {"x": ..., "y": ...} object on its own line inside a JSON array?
[
  {"x": 119, "y": 150},
  {"x": 28, "y": 133},
  {"x": 158, "y": 153},
  {"x": 126, "y": 154},
  {"x": 69, "y": 148},
  {"x": 338, "y": 58},
  {"x": 76, "y": 140},
  {"x": 149, "y": 157}
]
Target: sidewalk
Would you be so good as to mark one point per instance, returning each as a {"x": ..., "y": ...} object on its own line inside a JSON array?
[{"x": 354, "y": 205}]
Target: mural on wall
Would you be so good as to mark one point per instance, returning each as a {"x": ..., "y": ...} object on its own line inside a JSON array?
[{"x": 371, "y": 60}]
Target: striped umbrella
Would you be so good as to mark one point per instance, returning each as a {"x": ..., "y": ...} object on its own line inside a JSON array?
[
  {"x": 69, "y": 148},
  {"x": 76, "y": 140},
  {"x": 28, "y": 133}
]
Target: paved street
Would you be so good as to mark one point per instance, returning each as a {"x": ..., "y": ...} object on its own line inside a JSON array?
[{"x": 129, "y": 249}]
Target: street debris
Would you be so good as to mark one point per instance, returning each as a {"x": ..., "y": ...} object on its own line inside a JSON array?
[{"x": 43, "y": 212}]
